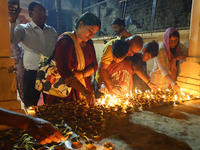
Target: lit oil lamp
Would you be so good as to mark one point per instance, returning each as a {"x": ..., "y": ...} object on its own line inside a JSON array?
[
  {"x": 96, "y": 136},
  {"x": 31, "y": 111},
  {"x": 108, "y": 146},
  {"x": 81, "y": 133},
  {"x": 76, "y": 140},
  {"x": 89, "y": 144}
]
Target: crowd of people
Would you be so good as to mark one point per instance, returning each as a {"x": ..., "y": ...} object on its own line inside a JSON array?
[{"x": 121, "y": 67}]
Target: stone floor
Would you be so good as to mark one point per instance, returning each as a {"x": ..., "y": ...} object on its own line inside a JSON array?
[
  {"x": 168, "y": 127},
  {"x": 162, "y": 128}
]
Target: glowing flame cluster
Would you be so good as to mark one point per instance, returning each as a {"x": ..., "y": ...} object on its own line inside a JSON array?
[{"x": 125, "y": 101}]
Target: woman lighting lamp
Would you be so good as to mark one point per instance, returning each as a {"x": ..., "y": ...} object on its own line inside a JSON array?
[{"x": 166, "y": 64}]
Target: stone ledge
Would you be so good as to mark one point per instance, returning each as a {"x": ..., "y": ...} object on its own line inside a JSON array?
[
  {"x": 191, "y": 68},
  {"x": 188, "y": 80},
  {"x": 195, "y": 89},
  {"x": 149, "y": 36}
]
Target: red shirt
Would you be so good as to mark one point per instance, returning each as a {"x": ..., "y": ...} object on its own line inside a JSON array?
[{"x": 121, "y": 74}]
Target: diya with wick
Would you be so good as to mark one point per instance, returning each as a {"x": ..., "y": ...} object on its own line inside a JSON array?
[
  {"x": 108, "y": 146},
  {"x": 68, "y": 135},
  {"x": 65, "y": 130},
  {"x": 129, "y": 110},
  {"x": 81, "y": 133},
  {"x": 89, "y": 144},
  {"x": 76, "y": 140},
  {"x": 96, "y": 136}
]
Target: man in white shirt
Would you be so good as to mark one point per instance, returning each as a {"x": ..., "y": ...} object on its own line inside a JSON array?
[{"x": 36, "y": 38}]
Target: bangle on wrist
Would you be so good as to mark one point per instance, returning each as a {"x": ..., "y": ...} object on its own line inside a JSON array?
[
  {"x": 173, "y": 83},
  {"x": 148, "y": 82}
]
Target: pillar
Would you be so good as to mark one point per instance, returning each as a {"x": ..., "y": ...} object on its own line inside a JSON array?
[
  {"x": 189, "y": 77},
  {"x": 8, "y": 90}
]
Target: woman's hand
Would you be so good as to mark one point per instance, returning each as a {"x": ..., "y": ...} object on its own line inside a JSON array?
[
  {"x": 43, "y": 131},
  {"x": 89, "y": 97},
  {"x": 78, "y": 74},
  {"x": 176, "y": 88},
  {"x": 153, "y": 86}
]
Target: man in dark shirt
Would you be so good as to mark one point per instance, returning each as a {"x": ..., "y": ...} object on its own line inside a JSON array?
[{"x": 149, "y": 51}]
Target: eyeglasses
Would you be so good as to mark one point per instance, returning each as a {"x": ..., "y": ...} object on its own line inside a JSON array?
[{"x": 41, "y": 13}]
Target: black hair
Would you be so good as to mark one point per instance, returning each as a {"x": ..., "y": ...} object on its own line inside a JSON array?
[
  {"x": 120, "y": 48},
  {"x": 152, "y": 48},
  {"x": 176, "y": 34},
  {"x": 119, "y": 21},
  {"x": 88, "y": 19},
  {"x": 33, "y": 4}
]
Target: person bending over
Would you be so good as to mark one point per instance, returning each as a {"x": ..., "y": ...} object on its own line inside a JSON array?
[
  {"x": 149, "y": 51},
  {"x": 120, "y": 71}
]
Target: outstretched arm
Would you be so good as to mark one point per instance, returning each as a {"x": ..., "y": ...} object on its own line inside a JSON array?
[
  {"x": 42, "y": 130},
  {"x": 105, "y": 76},
  {"x": 145, "y": 78}
]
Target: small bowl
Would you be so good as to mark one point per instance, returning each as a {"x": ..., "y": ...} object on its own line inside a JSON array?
[
  {"x": 76, "y": 140},
  {"x": 96, "y": 136},
  {"x": 108, "y": 146},
  {"x": 129, "y": 110},
  {"x": 65, "y": 130},
  {"x": 68, "y": 135},
  {"x": 89, "y": 144},
  {"x": 81, "y": 133}
]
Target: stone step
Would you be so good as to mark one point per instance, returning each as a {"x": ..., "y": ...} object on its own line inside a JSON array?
[
  {"x": 10, "y": 104},
  {"x": 188, "y": 80},
  {"x": 195, "y": 89}
]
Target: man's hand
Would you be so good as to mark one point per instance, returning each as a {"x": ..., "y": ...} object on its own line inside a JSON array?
[
  {"x": 89, "y": 97},
  {"x": 13, "y": 12},
  {"x": 43, "y": 131}
]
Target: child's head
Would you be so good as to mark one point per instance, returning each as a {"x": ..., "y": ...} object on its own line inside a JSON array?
[
  {"x": 119, "y": 50},
  {"x": 150, "y": 51}
]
